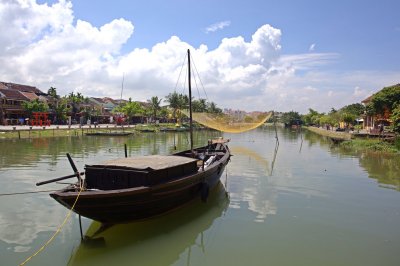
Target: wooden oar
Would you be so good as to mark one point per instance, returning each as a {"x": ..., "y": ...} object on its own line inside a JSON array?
[
  {"x": 57, "y": 179},
  {"x": 77, "y": 174}
]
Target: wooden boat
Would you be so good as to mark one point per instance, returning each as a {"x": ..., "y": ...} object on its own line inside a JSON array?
[
  {"x": 135, "y": 188},
  {"x": 111, "y": 134},
  {"x": 146, "y": 130}
]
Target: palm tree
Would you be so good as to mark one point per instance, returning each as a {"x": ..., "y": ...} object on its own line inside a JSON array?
[
  {"x": 174, "y": 102},
  {"x": 155, "y": 105},
  {"x": 53, "y": 92},
  {"x": 130, "y": 109},
  {"x": 75, "y": 100},
  {"x": 199, "y": 106},
  {"x": 212, "y": 108}
]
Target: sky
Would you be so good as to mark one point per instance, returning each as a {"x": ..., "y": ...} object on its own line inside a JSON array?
[{"x": 250, "y": 55}]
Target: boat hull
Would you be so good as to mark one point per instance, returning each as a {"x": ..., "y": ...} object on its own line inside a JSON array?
[{"x": 125, "y": 205}]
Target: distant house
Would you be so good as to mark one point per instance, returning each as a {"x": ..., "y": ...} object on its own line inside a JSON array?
[
  {"x": 12, "y": 96},
  {"x": 374, "y": 121}
]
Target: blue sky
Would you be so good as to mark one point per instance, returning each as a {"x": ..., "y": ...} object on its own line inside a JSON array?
[
  {"x": 365, "y": 33},
  {"x": 281, "y": 55}
]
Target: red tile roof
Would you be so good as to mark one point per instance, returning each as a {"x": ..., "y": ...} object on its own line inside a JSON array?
[
  {"x": 30, "y": 95},
  {"x": 367, "y": 100},
  {"x": 14, "y": 95},
  {"x": 19, "y": 87}
]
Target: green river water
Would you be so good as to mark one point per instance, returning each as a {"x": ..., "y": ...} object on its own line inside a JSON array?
[{"x": 302, "y": 202}]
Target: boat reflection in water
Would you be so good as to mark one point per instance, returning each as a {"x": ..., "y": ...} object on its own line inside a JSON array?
[{"x": 156, "y": 241}]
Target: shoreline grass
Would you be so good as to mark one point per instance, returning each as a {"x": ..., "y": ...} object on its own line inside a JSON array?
[
  {"x": 359, "y": 144},
  {"x": 28, "y": 133}
]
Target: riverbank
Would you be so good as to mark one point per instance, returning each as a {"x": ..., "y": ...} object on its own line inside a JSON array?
[
  {"x": 349, "y": 141},
  {"x": 21, "y": 132},
  {"x": 330, "y": 133}
]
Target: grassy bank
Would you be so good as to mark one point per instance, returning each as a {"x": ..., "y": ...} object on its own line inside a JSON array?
[
  {"x": 64, "y": 132},
  {"x": 44, "y": 133},
  {"x": 371, "y": 145},
  {"x": 359, "y": 144},
  {"x": 329, "y": 133}
]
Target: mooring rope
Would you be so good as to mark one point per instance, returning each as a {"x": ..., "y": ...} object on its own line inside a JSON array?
[
  {"x": 57, "y": 231},
  {"x": 26, "y": 192}
]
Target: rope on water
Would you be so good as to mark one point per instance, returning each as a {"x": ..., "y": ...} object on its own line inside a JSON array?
[
  {"x": 57, "y": 231},
  {"x": 26, "y": 192}
]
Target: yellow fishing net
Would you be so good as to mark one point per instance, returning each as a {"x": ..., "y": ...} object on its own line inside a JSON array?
[{"x": 235, "y": 123}]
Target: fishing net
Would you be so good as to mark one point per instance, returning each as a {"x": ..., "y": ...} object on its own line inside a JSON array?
[{"x": 232, "y": 123}]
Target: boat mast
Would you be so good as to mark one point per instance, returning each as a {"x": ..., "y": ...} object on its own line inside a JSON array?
[
  {"x": 190, "y": 105},
  {"x": 122, "y": 87}
]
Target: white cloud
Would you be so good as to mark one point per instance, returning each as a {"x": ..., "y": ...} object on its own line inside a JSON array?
[
  {"x": 44, "y": 47},
  {"x": 218, "y": 26}
]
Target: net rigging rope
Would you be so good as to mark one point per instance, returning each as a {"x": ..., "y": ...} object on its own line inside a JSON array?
[
  {"x": 231, "y": 123},
  {"x": 57, "y": 231}
]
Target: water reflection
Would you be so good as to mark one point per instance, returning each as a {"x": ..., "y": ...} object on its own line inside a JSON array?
[
  {"x": 158, "y": 241},
  {"x": 252, "y": 187},
  {"x": 385, "y": 168},
  {"x": 22, "y": 221},
  {"x": 27, "y": 220},
  {"x": 305, "y": 185}
]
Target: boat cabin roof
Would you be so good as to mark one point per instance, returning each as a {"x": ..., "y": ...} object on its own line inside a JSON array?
[{"x": 150, "y": 162}]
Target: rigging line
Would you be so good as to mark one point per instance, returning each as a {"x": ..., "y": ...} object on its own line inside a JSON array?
[
  {"x": 26, "y": 192},
  {"x": 197, "y": 88},
  {"x": 195, "y": 68},
  {"x": 195, "y": 79},
  {"x": 184, "y": 82},
  {"x": 122, "y": 86},
  {"x": 58, "y": 229},
  {"x": 180, "y": 72}
]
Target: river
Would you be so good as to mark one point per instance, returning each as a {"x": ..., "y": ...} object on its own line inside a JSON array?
[{"x": 303, "y": 201}]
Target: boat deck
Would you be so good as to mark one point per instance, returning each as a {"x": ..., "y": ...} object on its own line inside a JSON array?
[{"x": 150, "y": 162}]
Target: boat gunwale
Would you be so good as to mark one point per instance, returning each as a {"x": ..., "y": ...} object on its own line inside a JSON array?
[{"x": 62, "y": 193}]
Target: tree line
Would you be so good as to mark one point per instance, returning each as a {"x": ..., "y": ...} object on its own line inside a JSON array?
[
  {"x": 384, "y": 104},
  {"x": 75, "y": 103}
]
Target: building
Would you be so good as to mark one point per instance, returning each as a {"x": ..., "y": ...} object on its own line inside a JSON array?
[
  {"x": 390, "y": 95},
  {"x": 11, "y": 98}
]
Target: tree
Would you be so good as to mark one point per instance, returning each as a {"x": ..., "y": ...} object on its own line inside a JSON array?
[
  {"x": 177, "y": 102},
  {"x": 348, "y": 118},
  {"x": 173, "y": 100},
  {"x": 53, "y": 93},
  {"x": 386, "y": 100},
  {"x": 395, "y": 117},
  {"x": 332, "y": 111},
  {"x": 74, "y": 100},
  {"x": 164, "y": 112},
  {"x": 212, "y": 108},
  {"x": 35, "y": 106},
  {"x": 326, "y": 120},
  {"x": 199, "y": 105},
  {"x": 155, "y": 105},
  {"x": 291, "y": 118},
  {"x": 355, "y": 109},
  {"x": 61, "y": 110},
  {"x": 312, "y": 118},
  {"x": 130, "y": 109}
]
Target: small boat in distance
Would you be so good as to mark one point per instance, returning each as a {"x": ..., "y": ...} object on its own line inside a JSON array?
[
  {"x": 117, "y": 133},
  {"x": 135, "y": 188}
]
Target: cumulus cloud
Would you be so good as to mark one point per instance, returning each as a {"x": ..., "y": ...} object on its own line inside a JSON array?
[
  {"x": 46, "y": 46},
  {"x": 217, "y": 26}
]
